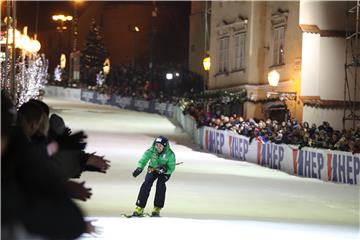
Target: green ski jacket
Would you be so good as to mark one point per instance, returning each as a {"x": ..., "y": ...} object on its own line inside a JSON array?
[{"x": 165, "y": 158}]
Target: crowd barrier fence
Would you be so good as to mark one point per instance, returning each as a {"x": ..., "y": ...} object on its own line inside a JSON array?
[{"x": 327, "y": 165}]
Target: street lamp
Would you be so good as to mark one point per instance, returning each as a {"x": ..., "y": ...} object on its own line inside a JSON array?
[
  {"x": 106, "y": 66},
  {"x": 135, "y": 30},
  {"x": 273, "y": 78},
  {"x": 206, "y": 63},
  {"x": 75, "y": 54},
  {"x": 62, "y": 61},
  {"x": 62, "y": 18},
  {"x": 169, "y": 76},
  {"x": 23, "y": 41},
  {"x": 35, "y": 45},
  {"x": 11, "y": 37}
]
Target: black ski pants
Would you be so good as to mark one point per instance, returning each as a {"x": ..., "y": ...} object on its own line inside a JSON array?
[{"x": 146, "y": 188}]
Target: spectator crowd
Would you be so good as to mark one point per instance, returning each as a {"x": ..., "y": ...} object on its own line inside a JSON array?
[
  {"x": 40, "y": 160},
  {"x": 147, "y": 83},
  {"x": 288, "y": 132}
]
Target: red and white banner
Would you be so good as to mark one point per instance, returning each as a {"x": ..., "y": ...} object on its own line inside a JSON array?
[{"x": 327, "y": 165}]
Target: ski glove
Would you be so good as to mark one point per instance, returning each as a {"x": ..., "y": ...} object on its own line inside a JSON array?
[
  {"x": 161, "y": 169},
  {"x": 136, "y": 172}
]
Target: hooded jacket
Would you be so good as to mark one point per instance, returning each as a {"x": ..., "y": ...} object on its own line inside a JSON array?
[{"x": 165, "y": 158}]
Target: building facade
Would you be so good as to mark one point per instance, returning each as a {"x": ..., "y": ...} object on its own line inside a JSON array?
[
  {"x": 250, "y": 39},
  {"x": 303, "y": 41},
  {"x": 324, "y": 26}
]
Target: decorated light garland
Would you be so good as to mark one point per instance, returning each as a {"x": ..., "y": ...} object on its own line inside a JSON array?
[
  {"x": 5, "y": 74},
  {"x": 31, "y": 78},
  {"x": 222, "y": 96},
  {"x": 100, "y": 79},
  {"x": 57, "y": 74}
]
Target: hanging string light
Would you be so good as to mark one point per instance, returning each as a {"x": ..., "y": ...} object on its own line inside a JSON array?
[
  {"x": 100, "y": 78},
  {"x": 34, "y": 78},
  {"x": 57, "y": 74}
]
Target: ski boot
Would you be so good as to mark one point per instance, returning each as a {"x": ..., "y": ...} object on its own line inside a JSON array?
[
  {"x": 138, "y": 212},
  {"x": 156, "y": 212}
]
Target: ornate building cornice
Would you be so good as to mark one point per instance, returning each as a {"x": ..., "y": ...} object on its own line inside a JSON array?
[
  {"x": 310, "y": 28},
  {"x": 317, "y": 102},
  {"x": 239, "y": 24},
  {"x": 279, "y": 18}
]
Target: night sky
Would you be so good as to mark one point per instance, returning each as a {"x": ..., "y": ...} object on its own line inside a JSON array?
[
  {"x": 173, "y": 37},
  {"x": 27, "y": 12}
]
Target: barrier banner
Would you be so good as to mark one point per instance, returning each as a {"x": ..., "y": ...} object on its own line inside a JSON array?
[
  {"x": 88, "y": 96},
  {"x": 327, "y": 165},
  {"x": 343, "y": 167},
  {"x": 336, "y": 166},
  {"x": 190, "y": 126},
  {"x": 275, "y": 156},
  {"x": 142, "y": 105},
  {"x": 65, "y": 93},
  {"x": 160, "y": 108},
  {"x": 72, "y": 93},
  {"x": 152, "y": 106},
  {"x": 102, "y": 98},
  {"x": 169, "y": 110},
  {"x": 50, "y": 91},
  {"x": 181, "y": 119},
  {"x": 200, "y": 137},
  {"x": 214, "y": 141},
  {"x": 111, "y": 101},
  {"x": 239, "y": 147},
  {"x": 123, "y": 102},
  {"x": 226, "y": 143},
  {"x": 178, "y": 113}
]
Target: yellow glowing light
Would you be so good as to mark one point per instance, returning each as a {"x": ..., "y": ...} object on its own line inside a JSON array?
[
  {"x": 35, "y": 45},
  {"x": 206, "y": 63},
  {"x": 137, "y": 29},
  {"x": 6, "y": 19},
  {"x": 273, "y": 78},
  {"x": 106, "y": 66},
  {"x": 62, "y": 61},
  {"x": 17, "y": 37},
  {"x": 25, "y": 42},
  {"x": 62, "y": 18}
]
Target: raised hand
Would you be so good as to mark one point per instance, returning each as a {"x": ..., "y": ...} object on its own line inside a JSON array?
[
  {"x": 78, "y": 190},
  {"x": 75, "y": 141},
  {"x": 91, "y": 229},
  {"x": 98, "y": 162}
]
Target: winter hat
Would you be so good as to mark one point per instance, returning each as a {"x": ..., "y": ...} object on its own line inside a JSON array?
[
  {"x": 162, "y": 140},
  {"x": 57, "y": 124}
]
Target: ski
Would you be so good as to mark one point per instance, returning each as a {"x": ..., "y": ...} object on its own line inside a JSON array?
[{"x": 145, "y": 215}]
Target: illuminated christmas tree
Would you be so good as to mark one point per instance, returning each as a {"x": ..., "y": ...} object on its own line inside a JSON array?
[{"x": 93, "y": 55}]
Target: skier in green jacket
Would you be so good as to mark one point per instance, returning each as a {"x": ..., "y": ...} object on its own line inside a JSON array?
[{"x": 161, "y": 165}]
